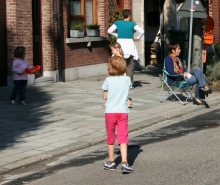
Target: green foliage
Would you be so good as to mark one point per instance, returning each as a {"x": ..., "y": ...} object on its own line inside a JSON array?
[
  {"x": 77, "y": 26},
  {"x": 93, "y": 26},
  {"x": 214, "y": 72},
  {"x": 213, "y": 67},
  {"x": 114, "y": 15}
]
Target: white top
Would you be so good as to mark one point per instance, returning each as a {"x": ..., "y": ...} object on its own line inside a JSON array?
[
  {"x": 18, "y": 67},
  {"x": 137, "y": 28},
  {"x": 127, "y": 45},
  {"x": 118, "y": 88}
]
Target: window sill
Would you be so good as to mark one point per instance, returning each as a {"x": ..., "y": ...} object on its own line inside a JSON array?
[{"x": 86, "y": 39}]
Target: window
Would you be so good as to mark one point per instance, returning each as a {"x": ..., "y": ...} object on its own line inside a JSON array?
[{"x": 82, "y": 11}]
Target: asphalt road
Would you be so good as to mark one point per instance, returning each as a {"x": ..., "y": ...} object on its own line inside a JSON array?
[{"x": 182, "y": 151}]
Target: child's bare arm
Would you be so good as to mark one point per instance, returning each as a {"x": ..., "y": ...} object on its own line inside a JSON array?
[{"x": 105, "y": 95}]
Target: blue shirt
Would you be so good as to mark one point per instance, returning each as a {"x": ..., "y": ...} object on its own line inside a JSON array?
[
  {"x": 118, "y": 88},
  {"x": 125, "y": 29}
]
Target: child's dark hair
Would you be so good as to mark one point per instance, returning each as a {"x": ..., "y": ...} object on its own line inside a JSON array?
[
  {"x": 116, "y": 66},
  {"x": 126, "y": 13},
  {"x": 172, "y": 46},
  {"x": 19, "y": 52}
]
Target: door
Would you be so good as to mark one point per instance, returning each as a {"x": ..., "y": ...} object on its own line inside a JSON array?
[
  {"x": 3, "y": 44},
  {"x": 37, "y": 50}
]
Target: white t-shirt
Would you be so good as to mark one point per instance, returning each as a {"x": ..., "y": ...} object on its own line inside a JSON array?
[{"x": 118, "y": 88}]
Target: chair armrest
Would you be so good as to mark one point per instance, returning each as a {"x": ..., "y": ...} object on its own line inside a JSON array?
[{"x": 172, "y": 75}]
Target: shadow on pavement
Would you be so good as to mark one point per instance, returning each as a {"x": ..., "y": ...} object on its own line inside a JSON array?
[
  {"x": 18, "y": 122},
  {"x": 133, "y": 152}
]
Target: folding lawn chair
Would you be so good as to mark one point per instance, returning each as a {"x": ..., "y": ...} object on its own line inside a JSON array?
[{"x": 182, "y": 86}]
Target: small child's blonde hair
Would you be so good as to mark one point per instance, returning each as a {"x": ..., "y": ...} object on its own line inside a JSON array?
[
  {"x": 116, "y": 45},
  {"x": 116, "y": 66}
]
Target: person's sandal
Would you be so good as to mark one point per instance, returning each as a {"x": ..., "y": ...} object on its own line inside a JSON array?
[{"x": 130, "y": 104}]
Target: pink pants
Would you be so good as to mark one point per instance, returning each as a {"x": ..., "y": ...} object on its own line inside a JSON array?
[{"x": 117, "y": 121}]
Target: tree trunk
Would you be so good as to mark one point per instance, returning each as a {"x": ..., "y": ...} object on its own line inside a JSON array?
[{"x": 197, "y": 45}]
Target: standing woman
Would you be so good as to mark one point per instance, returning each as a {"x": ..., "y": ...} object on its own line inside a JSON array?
[{"x": 125, "y": 37}]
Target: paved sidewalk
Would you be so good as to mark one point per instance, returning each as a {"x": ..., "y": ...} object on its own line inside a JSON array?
[{"x": 62, "y": 117}]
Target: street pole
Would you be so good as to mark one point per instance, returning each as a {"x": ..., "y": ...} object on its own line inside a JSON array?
[{"x": 190, "y": 35}]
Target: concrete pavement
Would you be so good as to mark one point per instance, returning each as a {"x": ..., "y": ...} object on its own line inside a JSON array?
[{"x": 62, "y": 117}]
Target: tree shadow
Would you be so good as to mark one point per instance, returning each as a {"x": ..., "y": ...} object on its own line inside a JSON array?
[
  {"x": 25, "y": 124},
  {"x": 133, "y": 152}
]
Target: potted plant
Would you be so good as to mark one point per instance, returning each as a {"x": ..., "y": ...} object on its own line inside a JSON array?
[
  {"x": 93, "y": 30},
  {"x": 76, "y": 30}
]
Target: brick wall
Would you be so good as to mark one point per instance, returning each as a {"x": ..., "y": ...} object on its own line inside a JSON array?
[
  {"x": 103, "y": 20},
  {"x": 215, "y": 14},
  {"x": 19, "y": 28},
  {"x": 128, "y": 4},
  {"x": 20, "y": 32},
  {"x": 77, "y": 54},
  {"x": 48, "y": 35}
]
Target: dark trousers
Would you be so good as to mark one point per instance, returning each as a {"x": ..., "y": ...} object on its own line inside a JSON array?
[
  {"x": 130, "y": 67},
  {"x": 20, "y": 87}
]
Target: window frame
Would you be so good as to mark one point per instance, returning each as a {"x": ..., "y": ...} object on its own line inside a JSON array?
[{"x": 83, "y": 10}]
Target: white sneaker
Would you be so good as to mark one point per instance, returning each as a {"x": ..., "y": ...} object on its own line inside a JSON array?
[
  {"x": 109, "y": 165},
  {"x": 23, "y": 102},
  {"x": 125, "y": 168},
  {"x": 13, "y": 102}
]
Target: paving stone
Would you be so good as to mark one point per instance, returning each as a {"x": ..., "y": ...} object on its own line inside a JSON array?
[{"x": 62, "y": 117}]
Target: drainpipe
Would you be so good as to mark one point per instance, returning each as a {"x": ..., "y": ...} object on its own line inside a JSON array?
[{"x": 59, "y": 42}]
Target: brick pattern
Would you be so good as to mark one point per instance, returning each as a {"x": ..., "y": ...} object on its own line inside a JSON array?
[
  {"x": 19, "y": 28},
  {"x": 77, "y": 54},
  {"x": 215, "y": 14},
  {"x": 128, "y": 4},
  {"x": 48, "y": 34},
  {"x": 19, "y": 25},
  {"x": 103, "y": 9}
]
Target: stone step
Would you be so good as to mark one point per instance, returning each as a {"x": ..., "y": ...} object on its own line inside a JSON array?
[{"x": 44, "y": 79}]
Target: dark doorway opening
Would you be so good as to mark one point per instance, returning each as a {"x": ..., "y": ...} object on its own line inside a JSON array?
[
  {"x": 154, "y": 42},
  {"x": 37, "y": 50},
  {"x": 3, "y": 44}
]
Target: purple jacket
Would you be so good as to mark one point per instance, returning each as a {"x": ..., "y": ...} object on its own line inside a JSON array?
[{"x": 19, "y": 65}]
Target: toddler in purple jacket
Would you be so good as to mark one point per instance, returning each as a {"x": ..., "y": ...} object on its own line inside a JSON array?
[{"x": 19, "y": 75}]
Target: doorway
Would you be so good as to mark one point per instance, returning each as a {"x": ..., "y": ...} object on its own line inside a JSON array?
[
  {"x": 3, "y": 44},
  {"x": 37, "y": 49},
  {"x": 153, "y": 12}
]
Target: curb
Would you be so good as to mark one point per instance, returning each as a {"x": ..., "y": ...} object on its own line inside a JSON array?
[{"x": 82, "y": 144}]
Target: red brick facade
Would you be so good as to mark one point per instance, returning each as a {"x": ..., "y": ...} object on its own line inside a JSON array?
[
  {"x": 215, "y": 14},
  {"x": 77, "y": 54},
  {"x": 48, "y": 35},
  {"x": 19, "y": 28},
  {"x": 20, "y": 32}
]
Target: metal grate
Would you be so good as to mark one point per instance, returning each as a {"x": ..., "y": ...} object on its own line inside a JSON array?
[{"x": 113, "y": 4}]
